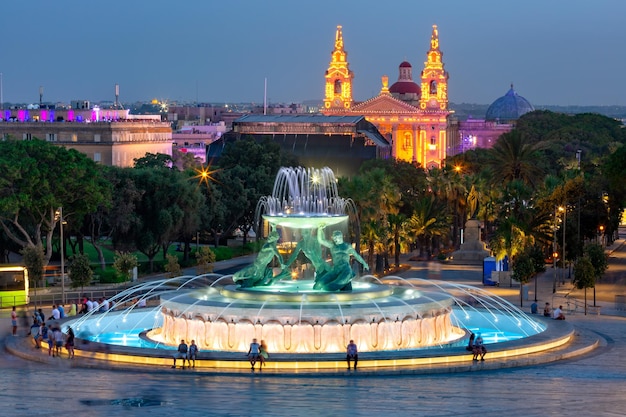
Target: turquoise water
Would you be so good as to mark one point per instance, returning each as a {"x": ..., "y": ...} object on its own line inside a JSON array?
[{"x": 507, "y": 330}]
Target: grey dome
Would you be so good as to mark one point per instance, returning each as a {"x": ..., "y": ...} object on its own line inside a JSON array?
[{"x": 510, "y": 106}]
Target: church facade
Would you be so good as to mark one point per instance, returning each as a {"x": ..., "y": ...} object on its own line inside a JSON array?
[{"x": 413, "y": 118}]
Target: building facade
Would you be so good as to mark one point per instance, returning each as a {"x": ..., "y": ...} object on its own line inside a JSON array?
[
  {"x": 414, "y": 118},
  {"x": 341, "y": 143},
  {"x": 110, "y": 137},
  {"x": 500, "y": 118}
]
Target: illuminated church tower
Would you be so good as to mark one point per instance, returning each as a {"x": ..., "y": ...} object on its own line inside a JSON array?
[
  {"x": 434, "y": 103},
  {"x": 414, "y": 120},
  {"x": 338, "y": 78}
]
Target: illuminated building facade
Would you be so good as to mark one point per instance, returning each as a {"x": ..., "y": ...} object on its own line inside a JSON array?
[
  {"x": 500, "y": 118},
  {"x": 413, "y": 118},
  {"x": 111, "y": 137}
]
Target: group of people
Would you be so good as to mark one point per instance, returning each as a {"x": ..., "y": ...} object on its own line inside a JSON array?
[
  {"x": 186, "y": 353},
  {"x": 557, "y": 314},
  {"x": 476, "y": 345},
  {"x": 52, "y": 335},
  {"x": 100, "y": 305},
  {"x": 258, "y": 353}
]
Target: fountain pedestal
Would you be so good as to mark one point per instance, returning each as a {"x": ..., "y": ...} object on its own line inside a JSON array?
[{"x": 473, "y": 251}]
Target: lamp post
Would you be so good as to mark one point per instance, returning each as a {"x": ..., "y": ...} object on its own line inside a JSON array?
[
  {"x": 564, "y": 210},
  {"x": 62, "y": 257},
  {"x": 601, "y": 235},
  {"x": 555, "y": 254}
]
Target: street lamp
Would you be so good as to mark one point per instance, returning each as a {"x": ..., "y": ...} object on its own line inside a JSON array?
[
  {"x": 564, "y": 210},
  {"x": 555, "y": 254},
  {"x": 601, "y": 235},
  {"x": 60, "y": 214}
]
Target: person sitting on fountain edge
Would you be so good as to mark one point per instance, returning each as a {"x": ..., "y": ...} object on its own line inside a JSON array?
[
  {"x": 260, "y": 273},
  {"x": 470, "y": 343},
  {"x": 340, "y": 275},
  {"x": 479, "y": 348},
  {"x": 352, "y": 354}
]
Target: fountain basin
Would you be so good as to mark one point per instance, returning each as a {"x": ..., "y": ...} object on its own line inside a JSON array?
[{"x": 298, "y": 319}]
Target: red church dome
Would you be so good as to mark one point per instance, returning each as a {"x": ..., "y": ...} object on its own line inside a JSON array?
[
  {"x": 405, "y": 84},
  {"x": 405, "y": 87}
]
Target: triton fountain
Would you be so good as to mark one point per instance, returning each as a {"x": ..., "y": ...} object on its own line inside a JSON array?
[{"x": 313, "y": 302}]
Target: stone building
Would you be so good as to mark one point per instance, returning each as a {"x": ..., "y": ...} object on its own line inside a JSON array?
[
  {"x": 500, "y": 118},
  {"x": 341, "y": 143},
  {"x": 111, "y": 137}
]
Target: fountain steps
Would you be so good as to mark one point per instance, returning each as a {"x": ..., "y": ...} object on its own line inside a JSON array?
[{"x": 560, "y": 341}]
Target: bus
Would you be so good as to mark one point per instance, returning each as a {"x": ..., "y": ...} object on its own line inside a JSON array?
[{"x": 13, "y": 286}]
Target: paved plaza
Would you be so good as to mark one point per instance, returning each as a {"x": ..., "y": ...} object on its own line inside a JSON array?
[{"x": 591, "y": 384}]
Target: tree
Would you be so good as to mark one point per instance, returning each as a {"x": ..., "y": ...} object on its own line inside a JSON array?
[
  {"x": 124, "y": 263},
  {"x": 172, "y": 266},
  {"x": 513, "y": 158},
  {"x": 166, "y": 203},
  {"x": 584, "y": 276},
  {"x": 206, "y": 258},
  {"x": 34, "y": 260},
  {"x": 251, "y": 167},
  {"x": 599, "y": 261},
  {"x": 523, "y": 271},
  {"x": 429, "y": 219},
  {"x": 38, "y": 178},
  {"x": 80, "y": 271},
  {"x": 154, "y": 160}
]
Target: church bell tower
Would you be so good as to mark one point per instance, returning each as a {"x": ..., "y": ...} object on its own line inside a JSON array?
[
  {"x": 434, "y": 77},
  {"x": 434, "y": 105},
  {"x": 338, "y": 91}
]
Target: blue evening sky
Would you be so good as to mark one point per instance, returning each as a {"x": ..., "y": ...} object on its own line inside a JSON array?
[{"x": 561, "y": 52}]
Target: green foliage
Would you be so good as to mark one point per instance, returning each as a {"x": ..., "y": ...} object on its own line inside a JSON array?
[
  {"x": 584, "y": 274},
  {"x": 537, "y": 257},
  {"x": 109, "y": 276},
  {"x": 38, "y": 178},
  {"x": 598, "y": 258},
  {"x": 524, "y": 269},
  {"x": 80, "y": 271},
  {"x": 172, "y": 266},
  {"x": 151, "y": 160},
  {"x": 206, "y": 257},
  {"x": 34, "y": 258},
  {"x": 123, "y": 263}
]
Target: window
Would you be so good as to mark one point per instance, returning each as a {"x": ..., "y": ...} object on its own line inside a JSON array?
[
  {"x": 27, "y": 136},
  {"x": 97, "y": 157},
  {"x": 51, "y": 137},
  {"x": 433, "y": 143},
  {"x": 96, "y": 138},
  {"x": 74, "y": 137},
  {"x": 408, "y": 139}
]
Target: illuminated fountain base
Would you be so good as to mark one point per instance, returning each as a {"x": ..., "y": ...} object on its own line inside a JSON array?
[{"x": 291, "y": 317}]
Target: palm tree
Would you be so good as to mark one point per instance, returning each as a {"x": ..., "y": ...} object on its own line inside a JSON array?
[
  {"x": 513, "y": 158},
  {"x": 429, "y": 219}
]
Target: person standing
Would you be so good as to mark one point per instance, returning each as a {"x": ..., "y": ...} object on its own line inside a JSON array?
[
  {"x": 58, "y": 341},
  {"x": 69, "y": 343},
  {"x": 352, "y": 354},
  {"x": 254, "y": 353},
  {"x": 14, "y": 321}
]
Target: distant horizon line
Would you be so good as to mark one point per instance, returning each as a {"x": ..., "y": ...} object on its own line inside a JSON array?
[{"x": 6, "y": 104}]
